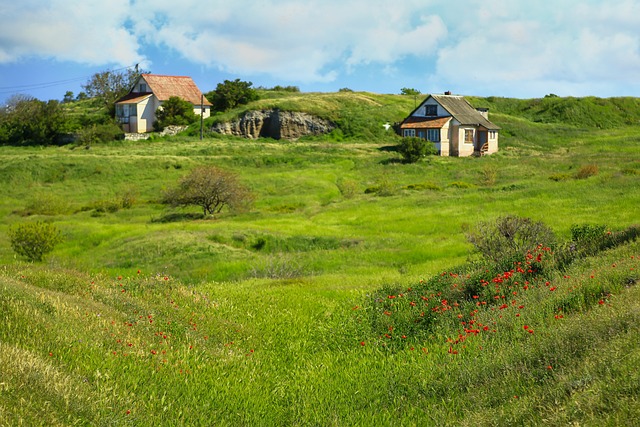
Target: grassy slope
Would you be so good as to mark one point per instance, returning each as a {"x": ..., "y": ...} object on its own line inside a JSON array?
[{"x": 198, "y": 282}]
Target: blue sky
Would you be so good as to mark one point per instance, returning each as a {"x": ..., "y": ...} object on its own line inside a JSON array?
[{"x": 509, "y": 48}]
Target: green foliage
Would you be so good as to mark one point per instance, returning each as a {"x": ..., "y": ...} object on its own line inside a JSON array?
[
  {"x": 34, "y": 240},
  {"x": 108, "y": 86},
  {"x": 100, "y": 133},
  {"x": 28, "y": 121},
  {"x": 348, "y": 187},
  {"x": 212, "y": 189},
  {"x": 413, "y": 149},
  {"x": 508, "y": 237},
  {"x": 409, "y": 91},
  {"x": 230, "y": 94},
  {"x": 175, "y": 112}
]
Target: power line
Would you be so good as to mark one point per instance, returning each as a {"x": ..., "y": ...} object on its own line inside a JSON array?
[{"x": 45, "y": 85}]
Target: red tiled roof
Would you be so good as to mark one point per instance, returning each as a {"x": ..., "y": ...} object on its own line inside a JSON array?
[
  {"x": 413, "y": 122},
  {"x": 164, "y": 87}
]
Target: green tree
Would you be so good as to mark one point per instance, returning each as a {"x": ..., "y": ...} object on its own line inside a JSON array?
[
  {"x": 28, "y": 121},
  {"x": 34, "y": 240},
  {"x": 108, "y": 86},
  {"x": 413, "y": 148},
  {"x": 409, "y": 91},
  {"x": 230, "y": 94},
  {"x": 68, "y": 97},
  {"x": 212, "y": 189},
  {"x": 175, "y": 111}
]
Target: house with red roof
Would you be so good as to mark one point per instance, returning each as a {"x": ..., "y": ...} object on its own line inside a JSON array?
[
  {"x": 136, "y": 111},
  {"x": 454, "y": 126}
]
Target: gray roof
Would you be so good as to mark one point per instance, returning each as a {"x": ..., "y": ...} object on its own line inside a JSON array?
[{"x": 462, "y": 111}]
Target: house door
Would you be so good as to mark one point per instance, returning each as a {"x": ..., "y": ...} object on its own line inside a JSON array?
[{"x": 482, "y": 139}]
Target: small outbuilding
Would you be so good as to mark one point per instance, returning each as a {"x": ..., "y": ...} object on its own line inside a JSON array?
[
  {"x": 136, "y": 111},
  {"x": 454, "y": 126}
]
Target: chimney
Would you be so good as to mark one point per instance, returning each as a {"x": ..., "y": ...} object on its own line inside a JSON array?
[
  {"x": 484, "y": 112},
  {"x": 448, "y": 92}
]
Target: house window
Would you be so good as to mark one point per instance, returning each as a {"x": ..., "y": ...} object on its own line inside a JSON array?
[
  {"x": 430, "y": 110},
  {"x": 468, "y": 136},
  {"x": 409, "y": 132},
  {"x": 143, "y": 87},
  {"x": 433, "y": 135},
  {"x": 492, "y": 134}
]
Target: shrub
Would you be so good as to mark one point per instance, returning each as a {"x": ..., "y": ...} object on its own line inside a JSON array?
[
  {"x": 231, "y": 94},
  {"x": 557, "y": 177},
  {"x": 174, "y": 112},
  {"x": 34, "y": 240},
  {"x": 210, "y": 188},
  {"x": 587, "y": 171},
  {"x": 348, "y": 187},
  {"x": 509, "y": 237},
  {"x": 413, "y": 149},
  {"x": 99, "y": 133},
  {"x": 489, "y": 174}
]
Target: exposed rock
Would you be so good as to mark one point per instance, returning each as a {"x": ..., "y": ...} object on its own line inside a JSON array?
[{"x": 275, "y": 124}]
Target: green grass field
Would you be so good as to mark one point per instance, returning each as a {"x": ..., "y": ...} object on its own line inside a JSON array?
[{"x": 145, "y": 315}]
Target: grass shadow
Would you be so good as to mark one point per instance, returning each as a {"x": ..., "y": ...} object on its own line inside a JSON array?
[{"x": 177, "y": 217}]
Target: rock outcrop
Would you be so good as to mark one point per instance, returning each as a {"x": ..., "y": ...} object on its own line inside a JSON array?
[{"x": 275, "y": 124}]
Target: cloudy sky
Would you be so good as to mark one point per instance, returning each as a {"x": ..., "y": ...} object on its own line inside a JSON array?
[{"x": 510, "y": 48}]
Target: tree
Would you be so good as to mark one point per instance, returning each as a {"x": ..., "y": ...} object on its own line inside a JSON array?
[
  {"x": 28, "y": 121},
  {"x": 175, "y": 111},
  {"x": 34, "y": 240},
  {"x": 68, "y": 97},
  {"x": 108, "y": 86},
  {"x": 210, "y": 188},
  {"x": 230, "y": 94},
  {"x": 413, "y": 148},
  {"x": 409, "y": 91}
]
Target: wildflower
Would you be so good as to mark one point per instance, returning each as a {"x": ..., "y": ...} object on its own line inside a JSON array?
[
  {"x": 553, "y": 288},
  {"x": 601, "y": 302},
  {"x": 362, "y": 343},
  {"x": 549, "y": 367}
]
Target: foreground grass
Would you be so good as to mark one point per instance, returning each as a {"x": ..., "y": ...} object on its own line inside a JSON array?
[
  {"x": 147, "y": 316},
  {"x": 148, "y": 350}
]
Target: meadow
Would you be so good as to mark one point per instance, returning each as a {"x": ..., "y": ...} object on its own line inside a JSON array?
[{"x": 146, "y": 315}]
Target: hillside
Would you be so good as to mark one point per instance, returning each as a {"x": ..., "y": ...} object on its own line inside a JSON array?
[{"x": 348, "y": 294}]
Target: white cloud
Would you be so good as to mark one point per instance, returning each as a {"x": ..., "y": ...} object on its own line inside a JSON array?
[
  {"x": 506, "y": 45},
  {"x": 90, "y": 32},
  {"x": 579, "y": 47}
]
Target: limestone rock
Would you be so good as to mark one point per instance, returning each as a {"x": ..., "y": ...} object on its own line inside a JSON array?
[{"x": 275, "y": 124}]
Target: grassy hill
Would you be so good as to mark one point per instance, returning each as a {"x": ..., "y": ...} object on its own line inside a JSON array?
[{"x": 147, "y": 316}]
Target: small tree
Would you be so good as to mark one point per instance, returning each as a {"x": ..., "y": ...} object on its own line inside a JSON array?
[
  {"x": 210, "y": 188},
  {"x": 230, "y": 94},
  {"x": 409, "y": 91},
  {"x": 108, "y": 86},
  {"x": 175, "y": 111},
  {"x": 34, "y": 240},
  {"x": 413, "y": 148}
]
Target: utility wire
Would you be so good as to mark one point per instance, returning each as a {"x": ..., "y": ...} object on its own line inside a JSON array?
[{"x": 44, "y": 85}]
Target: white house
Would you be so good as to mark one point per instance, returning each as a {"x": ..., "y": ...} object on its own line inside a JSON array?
[
  {"x": 136, "y": 110},
  {"x": 453, "y": 125}
]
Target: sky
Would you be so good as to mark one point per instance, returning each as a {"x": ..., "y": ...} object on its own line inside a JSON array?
[{"x": 506, "y": 48}]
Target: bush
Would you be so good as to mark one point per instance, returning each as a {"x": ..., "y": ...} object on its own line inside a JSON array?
[
  {"x": 509, "y": 237},
  {"x": 174, "y": 112},
  {"x": 34, "y": 240},
  {"x": 587, "y": 171},
  {"x": 348, "y": 187},
  {"x": 210, "y": 188},
  {"x": 99, "y": 133},
  {"x": 413, "y": 149}
]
